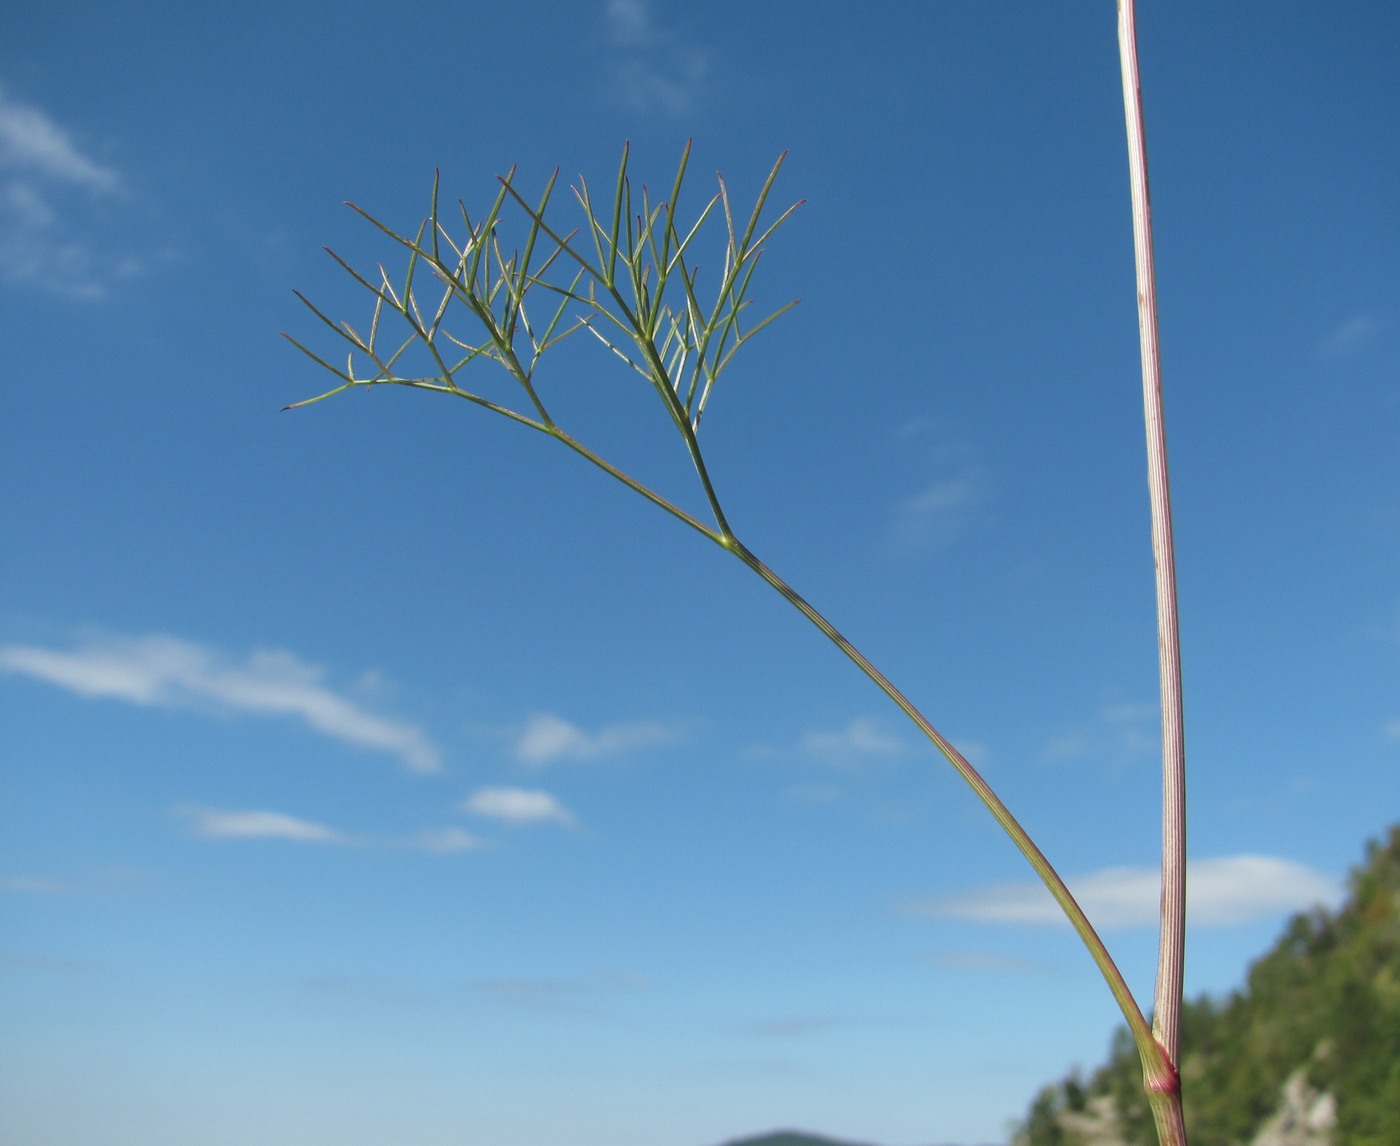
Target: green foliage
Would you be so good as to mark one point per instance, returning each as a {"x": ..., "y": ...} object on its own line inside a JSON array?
[
  {"x": 1042, "y": 1126},
  {"x": 1327, "y": 997}
]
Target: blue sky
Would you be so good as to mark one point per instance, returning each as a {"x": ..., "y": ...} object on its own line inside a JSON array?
[{"x": 379, "y": 771}]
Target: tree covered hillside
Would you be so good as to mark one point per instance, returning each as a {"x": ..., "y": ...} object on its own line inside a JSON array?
[{"x": 1308, "y": 1051}]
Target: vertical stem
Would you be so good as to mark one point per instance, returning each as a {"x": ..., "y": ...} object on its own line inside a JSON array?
[{"x": 1166, "y": 1015}]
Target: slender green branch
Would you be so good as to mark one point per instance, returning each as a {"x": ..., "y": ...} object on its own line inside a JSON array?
[
  {"x": 681, "y": 348},
  {"x": 1009, "y": 824}
]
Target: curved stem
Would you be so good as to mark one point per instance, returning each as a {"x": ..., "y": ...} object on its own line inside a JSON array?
[
  {"x": 1009, "y": 824},
  {"x": 1160, "y": 1071}
]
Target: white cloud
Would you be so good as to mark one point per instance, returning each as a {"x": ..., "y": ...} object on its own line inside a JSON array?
[
  {"x": 31, "y": 885},
  {"x": 517, "y": 806},
  {"x": 629, "y": 23},
  {"x": 213, "y": 825},
  {"x": 1071, "y": 746},
  {"x": 1119, "y": 734},
  {"x": 548, "y": 738},
  {"x": 446, "y": 841},
  {"x": 651, "y": 70},
  {"x": 861, "y": 738},
  {"x": 813, "y": 793},
  {"x": 859, "y": 744},
  {"x": 1220, "y": 893},
  {"x": 1348, "y": 337},
  {"x": 166, "y": 672},
  {"x": 975, "y": 752},
  {"x": 30, "y": 140},
  {"x": 942, "y": 496},
  {"x": 46, "y": 183},
  {"x": 569, "y": 995},
  {"x": 1129, "y": 713},
  {"x": 939, "y": 513}
]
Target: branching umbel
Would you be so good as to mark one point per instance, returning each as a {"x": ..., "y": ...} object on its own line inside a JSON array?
[{"x": 629, "y": 277}]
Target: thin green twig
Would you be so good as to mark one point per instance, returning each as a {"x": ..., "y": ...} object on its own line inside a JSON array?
[{"x": 680, "y": 346}]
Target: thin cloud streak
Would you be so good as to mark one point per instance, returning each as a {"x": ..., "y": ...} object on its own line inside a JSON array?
[
  {"x": 651, "y": 71},
  {"x": 518, "y": 806},
  {"x": 261, "y": 824},
  {"x": 1224, "y": 892},
  {"x": 258, "y": 825},
  {"x": 446, "y": 841},
  {"x": 861, "y": 741},
  {"x": 45, "y": 183},
  {"x": 1349, "y": 337},
  {"x": 165, "y": 672},
  {"x": 31, "y": 885},
  {"x": 861, "y": 738},
  {"x": 940, "y": 513},
  {"x": 1119, "y": 734},
  {"x": 30, "y": 140},
  {"x": 548, "y": 738},
  {"x": 565, "y": 996}
]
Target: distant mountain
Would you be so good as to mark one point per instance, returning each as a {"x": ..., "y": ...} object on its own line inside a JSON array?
[
  {"x": 1307, "y": 1054},
  {"x": 791, "y": 1138}
]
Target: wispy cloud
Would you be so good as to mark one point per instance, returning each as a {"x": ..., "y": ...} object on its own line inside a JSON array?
[
  {"x": 861, "y": 739},
  {"x": 813, "y": 793},
  {"x": 858, "y": 743},
  {"x": 47, "y": 184},
  {"x": 1392, "y": 730},
  {"x": 260, "y": 824},
  {"x": 166, "y": 672},
  {"x": 1220, "y": 893},
  {"x": 570, "y": 996},
  {"x": 651, "y": 70},
  {"x": 103, "y": 881},
  {"x": 984, "y": 962},
  {"x": 446, "y": 841},
  {"x": 548, "y": 738},
  {"x": 46, "y": 966},
  {"x": 213, "y": 825},
  {"x": 798, "y": 1027},
  {"x": 31, "y": 141},
  {"x": 1348, "y": 337},
  {"x": 940, "y": 513},
  {"x": 1118, "y": 734},
  {"x": 31, "y": 885},
  {"x": 517, "y": 806}
]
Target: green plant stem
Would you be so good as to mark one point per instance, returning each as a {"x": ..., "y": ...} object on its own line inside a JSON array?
[
  {"x": 1160, "y": 1071},
  {"x": 1009, "y": 824},
  {"x": 1166, "y": 1011},
  {"x": 641, "y": 321}
]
